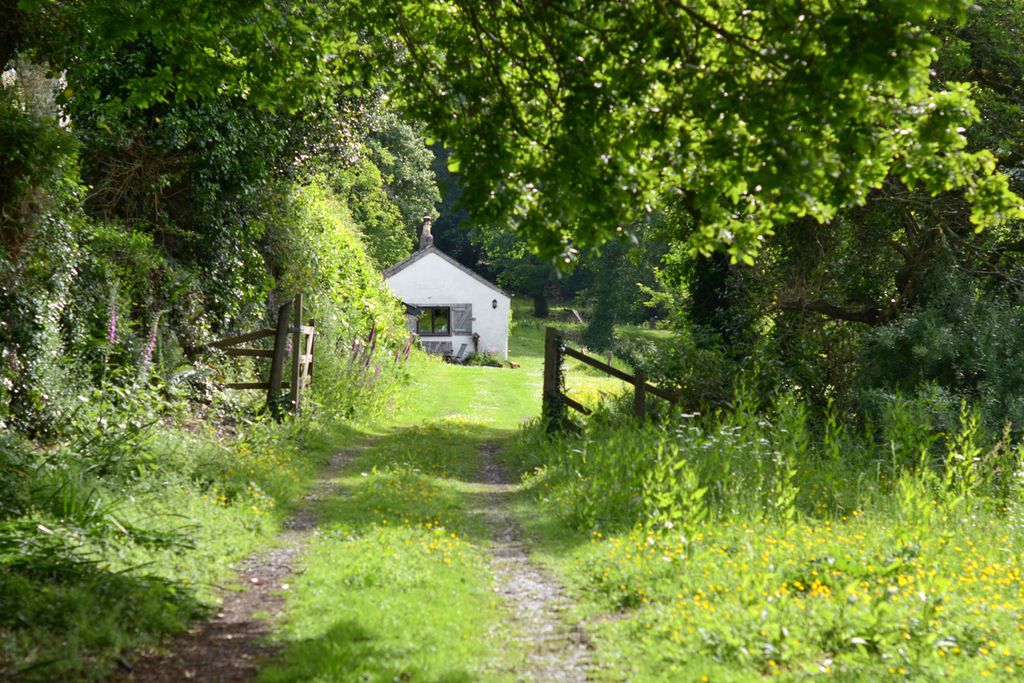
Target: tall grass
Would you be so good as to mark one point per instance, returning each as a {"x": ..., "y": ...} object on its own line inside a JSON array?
[
  {"x": 772, "y": 462},
  {"x": 758, "y": 542}
]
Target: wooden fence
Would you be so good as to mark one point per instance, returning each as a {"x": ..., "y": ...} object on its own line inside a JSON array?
[
  {"x": 554, "y": 398},
  {"x": 302, "y": 339}
]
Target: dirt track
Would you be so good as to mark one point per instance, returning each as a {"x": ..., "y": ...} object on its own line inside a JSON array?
[
  {"x": 232, "y": 646},
  {"x": 556, "y": 650}
]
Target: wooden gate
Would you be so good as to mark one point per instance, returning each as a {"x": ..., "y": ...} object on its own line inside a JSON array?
[
  {"x": 297, "y": 338},
  {"x": 554, "y": 399}
]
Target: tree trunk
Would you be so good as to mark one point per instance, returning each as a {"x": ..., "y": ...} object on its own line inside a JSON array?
[
  {"x": 540, "y": 305},
  {"x": 10, "y": 31}
]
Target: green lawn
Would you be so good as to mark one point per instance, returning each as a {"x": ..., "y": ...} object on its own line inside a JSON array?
[
  {"x": 697, "y": 557},
  {"x": 850, "y": 601},
  {"x": 395, "y": 585}
]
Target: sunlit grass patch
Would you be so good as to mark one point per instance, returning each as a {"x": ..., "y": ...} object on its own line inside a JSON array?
[
  {"x": 397, "y": 495},
  {"x": 592, "y": 390},
  {"x": 844, "y": 599},
  {"x": 389, "y": 603},
  {"x": 396, "y": 583},
  {"x": 426, "y": 447}
]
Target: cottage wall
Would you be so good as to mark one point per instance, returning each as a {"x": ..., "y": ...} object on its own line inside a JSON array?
[{"x": 433, "y": 281}]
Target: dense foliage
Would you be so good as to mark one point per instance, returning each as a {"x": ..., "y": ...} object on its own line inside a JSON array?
[
  {"x": 578, "y": 119},
  {"x": 145, "y": 214},
  {"x": 900, "y": 296}
]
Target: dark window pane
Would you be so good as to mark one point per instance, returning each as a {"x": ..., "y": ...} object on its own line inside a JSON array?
[
  {"x": 441, "y": 316},
  {"x": 434, "y": 320}
]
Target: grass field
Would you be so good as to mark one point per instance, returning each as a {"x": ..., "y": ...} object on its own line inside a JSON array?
[
  {"x": 744, "y": 602},
  {"x": 218, "y": 497},
  {"x": 395, "y": 584},
  {"x": 737, "y": 548},
  {"x": 865, "y": 574}
]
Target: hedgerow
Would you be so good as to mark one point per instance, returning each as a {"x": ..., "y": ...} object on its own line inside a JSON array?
[{"x": 130, "y": 479}]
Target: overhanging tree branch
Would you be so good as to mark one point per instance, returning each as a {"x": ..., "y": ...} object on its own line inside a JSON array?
[{"x": 869, "y": 315}]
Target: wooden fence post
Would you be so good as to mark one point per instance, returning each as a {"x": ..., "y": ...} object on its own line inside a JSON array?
[
  {"x": 640, "y": 396},
  {"x": 310, "y": 346},
  {"x": 277, "y": 361},
  {"x": 552, "y": 405},
  {"x": 296, "y": 390}
]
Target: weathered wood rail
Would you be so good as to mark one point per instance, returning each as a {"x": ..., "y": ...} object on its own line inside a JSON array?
[
  {"x": 303, "y": 338},
  {"x": 554, "y": 397}
]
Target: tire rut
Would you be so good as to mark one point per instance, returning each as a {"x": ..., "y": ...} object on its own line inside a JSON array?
[
  {"x": 556, "y": 650},
  {"x": 232, "y": 645}
]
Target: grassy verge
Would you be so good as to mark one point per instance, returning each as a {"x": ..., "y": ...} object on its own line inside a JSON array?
[
  {"x": 736, "y": 549},
  {"x": 744, "y": 602},
  {"x": 106, "y": 559},
  {"x": 109, "y": 545}
]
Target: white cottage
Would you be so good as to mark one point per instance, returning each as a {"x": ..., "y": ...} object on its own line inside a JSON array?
[{"x": 453, "y": 310}]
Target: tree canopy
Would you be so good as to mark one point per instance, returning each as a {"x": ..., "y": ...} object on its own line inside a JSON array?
[
  {"x": 279, "y": 55},
  {"x": 574, "y": 119}
]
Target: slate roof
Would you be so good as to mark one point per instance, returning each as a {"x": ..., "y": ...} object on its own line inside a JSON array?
[{"x": 402, "y": 265}]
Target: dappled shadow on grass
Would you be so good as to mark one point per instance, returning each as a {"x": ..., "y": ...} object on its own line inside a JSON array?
[
  {"x": 76, "y": 614},
  {"x": 434, "y": 473},
  {"x": 101, "y": 566},
  {"x": 350, "y": 652}
]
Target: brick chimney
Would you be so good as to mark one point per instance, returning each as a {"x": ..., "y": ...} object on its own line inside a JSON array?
[{"x": 426, "y": 239}]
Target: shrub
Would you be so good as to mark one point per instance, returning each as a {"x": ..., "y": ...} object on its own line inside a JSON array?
[
  {"x": 361, "y": 337},
  {"x": 485, "y": 358},
  {"x": 702, "y": 377},
  {"x": 381, "y": 223},
  {"x": 964, "y": 340},
  {"x": 37, "y": 170}
]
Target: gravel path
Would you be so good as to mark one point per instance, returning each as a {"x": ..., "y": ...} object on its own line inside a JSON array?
[
  {"x": 232, "y": 645},
  {"x": 557, "y": 651}
]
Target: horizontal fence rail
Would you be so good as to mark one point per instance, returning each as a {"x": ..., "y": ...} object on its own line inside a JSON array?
[
  {"x": 554, "y": 397},
  {"x": 301, "y": 342},
  {"x": 243, "y": 338}
]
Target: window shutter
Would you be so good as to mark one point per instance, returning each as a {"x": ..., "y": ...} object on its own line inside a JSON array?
[{"x": 462, "y": 319}]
